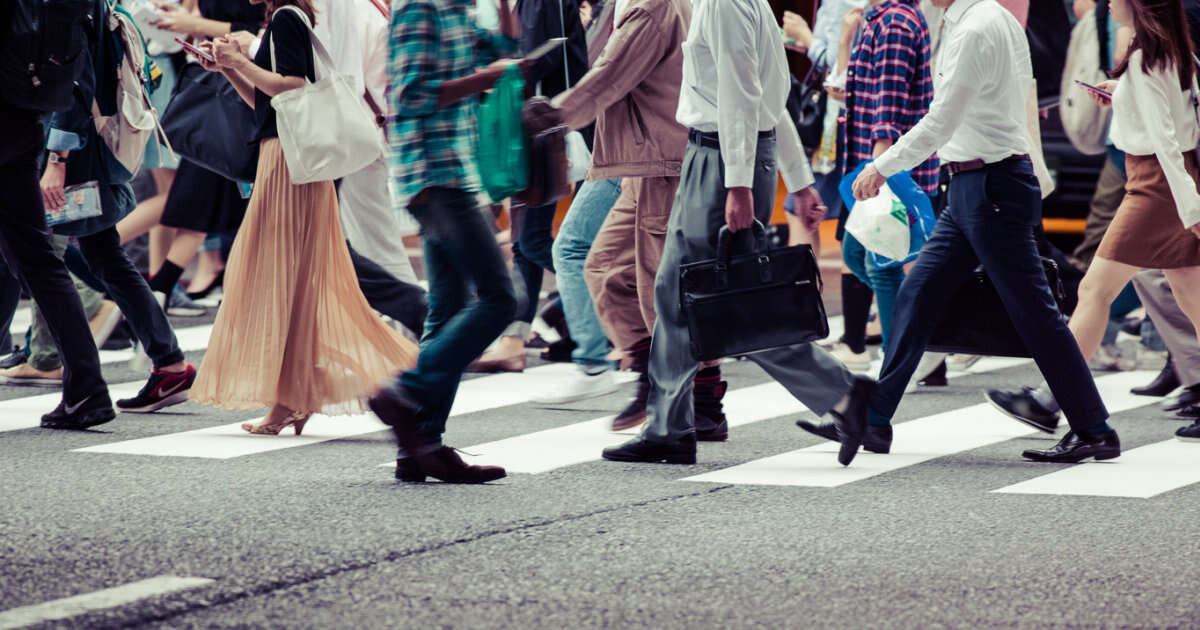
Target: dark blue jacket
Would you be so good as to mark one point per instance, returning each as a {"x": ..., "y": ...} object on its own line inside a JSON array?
[{"x": 74, "y": 130}]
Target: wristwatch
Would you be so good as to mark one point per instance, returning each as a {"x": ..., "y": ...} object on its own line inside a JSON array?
[{"x": 55, "y": 158}]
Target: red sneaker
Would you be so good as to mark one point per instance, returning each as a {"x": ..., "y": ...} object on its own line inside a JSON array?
[{"x": 162, "y": 390}]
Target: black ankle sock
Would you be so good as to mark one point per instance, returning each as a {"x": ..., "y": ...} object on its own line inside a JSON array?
[
  {"x": 856, "y": 308},
  {"x": 165, "y": 280}
]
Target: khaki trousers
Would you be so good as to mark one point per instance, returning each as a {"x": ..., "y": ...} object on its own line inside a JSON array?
[{"x": 624, "y": 259}]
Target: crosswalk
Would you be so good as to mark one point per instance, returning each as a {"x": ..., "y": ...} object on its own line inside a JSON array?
[{"x": 1142, "y": 473}]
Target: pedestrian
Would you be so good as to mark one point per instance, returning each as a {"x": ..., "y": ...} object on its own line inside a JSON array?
[
  {"x": 294, "y": 332},
  {"x": 79, "y": 156},
  {"x": 733, "y": 101},
  {"x": 437, "y": 50},
  {"x": 640, "y": 71},
  {"x": 1157, "y": 225},
  {"x": 977, "y": 124},
  {"x": 30, "y": 41}
]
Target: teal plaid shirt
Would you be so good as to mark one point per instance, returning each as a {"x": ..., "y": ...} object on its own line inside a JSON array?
[{"x": 433, "y": 41}]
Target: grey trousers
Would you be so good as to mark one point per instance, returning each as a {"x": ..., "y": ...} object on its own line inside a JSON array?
[
  {"x": 807, "y": 371},
  {"x": 1173, "y": 326}
]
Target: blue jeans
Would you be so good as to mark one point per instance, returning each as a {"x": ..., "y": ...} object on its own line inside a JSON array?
[
  {"x": 461, "y": 254},
  {"x": 588, "y": 211},
  {"x": 991, "y": 220},
  {"x": 884, "y": 282},
  {"x": 531, "y": 260}
]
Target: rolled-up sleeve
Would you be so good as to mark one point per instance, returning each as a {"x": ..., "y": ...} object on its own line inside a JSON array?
[
  {"x": 414, "y": 60},
  {"x": 895, "y": 61}
]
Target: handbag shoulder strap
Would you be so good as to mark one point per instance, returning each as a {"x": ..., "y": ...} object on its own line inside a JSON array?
[{"x": 321, "y": 53}]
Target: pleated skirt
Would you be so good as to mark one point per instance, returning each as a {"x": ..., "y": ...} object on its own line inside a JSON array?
[{"x": 294, "y": 329}]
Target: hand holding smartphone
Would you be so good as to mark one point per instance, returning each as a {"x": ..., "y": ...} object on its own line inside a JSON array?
[
  {"x": 1094, "y": 90},
  {"x": 198, "y": 52}
]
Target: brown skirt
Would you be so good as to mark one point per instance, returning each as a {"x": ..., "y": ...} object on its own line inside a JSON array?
[
  {"x": 1147, "y": 232},
  {"x": 294, "y": 328}
]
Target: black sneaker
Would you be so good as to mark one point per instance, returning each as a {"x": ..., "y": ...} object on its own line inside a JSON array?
[
  {"x": 1022, "y": 406},
  {"x": 1190, "y": 433},
  {"x": 89, "y": 412},
  {"x": 162, "y": 390},
  {"x": 18, "y": 357}
]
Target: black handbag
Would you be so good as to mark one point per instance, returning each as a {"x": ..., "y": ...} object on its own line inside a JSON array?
[
  {"x": 744, "y": 303},
  {"x": 975, "y": 321},
  {"x": 547, "y": 154},
  {"x": 208, "y": 123},
  {"x": 806, "y": 105}
]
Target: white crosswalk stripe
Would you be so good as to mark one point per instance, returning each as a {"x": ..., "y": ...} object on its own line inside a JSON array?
[
  {"x": 229, "y": 440},
  {"x": 1140, "y": 473},
  {"x": 914, "y": 442}
]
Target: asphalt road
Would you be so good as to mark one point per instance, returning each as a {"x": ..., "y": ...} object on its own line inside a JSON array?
[{"x": 317, "y": 534}]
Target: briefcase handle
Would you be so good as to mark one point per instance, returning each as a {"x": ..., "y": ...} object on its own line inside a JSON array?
[{"x": 762, "y": 247}]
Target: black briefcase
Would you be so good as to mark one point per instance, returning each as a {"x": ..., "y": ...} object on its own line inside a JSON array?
[
  {"x": 744, "y": 303},
  {"x": 975, "y": 322}
]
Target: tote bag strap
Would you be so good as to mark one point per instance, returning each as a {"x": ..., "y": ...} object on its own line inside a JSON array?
[{"x": 322, "y": 54}]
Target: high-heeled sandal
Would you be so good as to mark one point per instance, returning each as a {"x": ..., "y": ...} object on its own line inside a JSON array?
[
  {"x": 218, "y": 281},
  {"x": 295, "y": 420}
]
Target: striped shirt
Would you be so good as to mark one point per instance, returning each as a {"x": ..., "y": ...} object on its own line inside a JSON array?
[
  {"x": 434, "y": 41},
  {"x": 888, "y": 85}
]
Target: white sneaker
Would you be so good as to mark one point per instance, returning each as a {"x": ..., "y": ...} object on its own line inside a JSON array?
[
  {"x": 580, "y": 387},
  {"x": 854, "y": 361}
]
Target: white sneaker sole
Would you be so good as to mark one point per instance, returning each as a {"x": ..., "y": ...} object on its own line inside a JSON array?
[
  {"x": 576, "y": 397},
  {"x": 169, "y": 401},
  {"x": 1186, "y": 439}
]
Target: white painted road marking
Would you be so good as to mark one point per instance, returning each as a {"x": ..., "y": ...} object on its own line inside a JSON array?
[
  {"x": 229, "y": 440},
  {"x": 914, "y": 442},
  {"x": 26, "y": 413},
  {"x": 68, "y": 607},
  {"x": 1140, "y": 473}
]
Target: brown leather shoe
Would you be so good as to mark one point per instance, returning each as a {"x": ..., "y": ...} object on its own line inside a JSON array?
[
  {"x": 446, "y": 465},
  {"x": 509, "y": 364}
]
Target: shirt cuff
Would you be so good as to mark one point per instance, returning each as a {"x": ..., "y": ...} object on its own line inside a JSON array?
[
  {"x": 885, "y": 164},
  {"x": 60, "y": 140},
  {"x": 797, "y": 179},
  {"x": 739, "y": 176}
]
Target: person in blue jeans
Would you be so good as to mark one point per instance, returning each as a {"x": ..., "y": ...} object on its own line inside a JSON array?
[{"x": 588, "y": 211}]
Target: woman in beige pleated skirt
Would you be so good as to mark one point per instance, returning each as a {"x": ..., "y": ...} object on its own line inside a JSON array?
[{"x": 294, "y": 332}]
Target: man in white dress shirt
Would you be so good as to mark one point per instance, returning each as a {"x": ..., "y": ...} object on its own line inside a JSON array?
[
  {"x": 735, "y": 82},
  {"x": 977, "y": 124}
]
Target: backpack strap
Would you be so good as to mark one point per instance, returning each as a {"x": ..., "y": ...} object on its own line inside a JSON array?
[{"x": 1102, "y": 17}]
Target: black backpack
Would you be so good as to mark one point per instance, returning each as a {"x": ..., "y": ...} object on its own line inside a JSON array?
[{"x": 41, "y": 52}]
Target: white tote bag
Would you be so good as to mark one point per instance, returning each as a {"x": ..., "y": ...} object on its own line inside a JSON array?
[{"x": 326, "y": 129}]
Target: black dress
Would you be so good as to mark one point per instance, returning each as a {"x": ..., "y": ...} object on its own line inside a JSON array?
[{"x": 200, "y": 200}]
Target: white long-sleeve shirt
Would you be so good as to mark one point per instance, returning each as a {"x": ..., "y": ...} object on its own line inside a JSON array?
[
  {"x": 1152, "y": 115},
  {"x": 735, "y": 82},
  {"x": 355, "y": 33},
  {"x": 981, "y": 78}
]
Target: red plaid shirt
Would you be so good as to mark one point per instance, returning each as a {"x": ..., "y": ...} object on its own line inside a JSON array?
[{"x": 888, "y": 84}]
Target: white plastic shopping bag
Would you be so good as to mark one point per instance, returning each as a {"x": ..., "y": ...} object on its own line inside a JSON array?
[{"x": 881, "y": 225}]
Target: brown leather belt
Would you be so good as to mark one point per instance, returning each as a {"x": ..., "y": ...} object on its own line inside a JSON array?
[{"x": 958, "y": 168}]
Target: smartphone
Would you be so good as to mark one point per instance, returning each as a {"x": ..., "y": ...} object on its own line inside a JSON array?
[
  {"x": 550, "y": 46},
  {"x": 195, "y": 51},
  {"x": 1094, "y": 89}
]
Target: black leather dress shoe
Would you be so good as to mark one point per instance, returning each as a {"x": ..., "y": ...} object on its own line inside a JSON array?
[
  {"x": 1187, "y": 397},
  {"x": 877, "y": 439},
  {"x": 1022, "y": 406},
  {"x": 408, "y": 470},
  {"x": 852, "y": 424},
  {"x": 719, "y": 433},
  {"x": 642, "y": 451},
  {"x": 1166, "y": 382},
  {"x": 1073, "y": 449},
  {"x": 1190, "y": 433}
]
